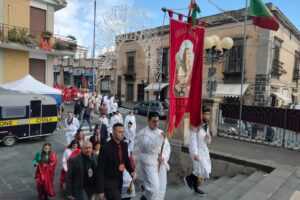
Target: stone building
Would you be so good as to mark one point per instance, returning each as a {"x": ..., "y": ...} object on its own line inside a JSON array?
[
  {"x": 27, "y": 45},
  {"x": 271, "y": 67}
]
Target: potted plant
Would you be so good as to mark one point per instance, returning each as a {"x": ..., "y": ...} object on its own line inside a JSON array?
[
  {"x": 71, "y": 37},
  {"x": 72, "y": 46},
  {"x": 72, "y": 43},
  {"x": 60, "y": 46},
  {"x": 18, "y": 35},
  {"x": 47, "y": 34},
  {"x": 32, "y": 43}
]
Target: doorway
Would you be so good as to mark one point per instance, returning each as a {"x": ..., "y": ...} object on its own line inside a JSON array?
[{"x": 35, "y": 112}]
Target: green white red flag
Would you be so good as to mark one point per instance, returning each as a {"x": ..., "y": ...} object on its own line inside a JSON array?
[{"x": 262, "y": 17}]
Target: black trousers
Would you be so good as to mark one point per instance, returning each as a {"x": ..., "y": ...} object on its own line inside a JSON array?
[{"x": 113, "y": 194}]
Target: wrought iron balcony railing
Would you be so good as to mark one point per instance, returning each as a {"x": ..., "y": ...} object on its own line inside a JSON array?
[
  {"x": 277, "y": 69},
  {"x": 36, "y": 39}
]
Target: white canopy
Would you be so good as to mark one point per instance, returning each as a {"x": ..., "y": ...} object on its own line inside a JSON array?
[
  {"x": 155, "y": 86},
  {"x": 29, "y": 84},
  {"x": 230, "y": 90},
  {"x": 281, "y": 96}
]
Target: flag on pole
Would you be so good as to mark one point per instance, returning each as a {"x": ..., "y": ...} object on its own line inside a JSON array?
[
  {"x": 262, "y": 17},
  {"x": 186, "y": 62}
]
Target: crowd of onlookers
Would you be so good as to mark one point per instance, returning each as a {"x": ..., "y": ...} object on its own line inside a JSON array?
[{"x": 107, "y": 121}]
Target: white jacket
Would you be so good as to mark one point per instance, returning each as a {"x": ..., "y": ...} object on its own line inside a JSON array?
[
  {"x": 150, "y": 142},
  {"x": 198, "y": 146}
]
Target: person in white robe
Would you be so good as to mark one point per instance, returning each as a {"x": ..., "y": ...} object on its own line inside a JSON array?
[
  {"x": 106, "y": 102},
  {"x": 72, "y": 125},
  {"x": 129, "y": 135},
  {"x": 113, "y": 120},
  {"x": 104, "y": 120},
  {"x": 130, "y": 118},
  {"x": 120, "y": 118},
  {"x": 150, "y": 142},
  {"x": 86, "y": 97},
  {"x": 98, "y": 100},
  {"x": 198, "y": 140}
]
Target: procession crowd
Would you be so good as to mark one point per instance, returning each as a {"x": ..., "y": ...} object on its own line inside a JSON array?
[{"x": 102, "y": 166}]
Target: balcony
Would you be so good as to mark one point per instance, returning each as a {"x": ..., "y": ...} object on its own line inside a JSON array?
[
  {"x": 23, "y": 39},
  {"x": 130, "y": 75},
  {"x": 277, "y": 69}
]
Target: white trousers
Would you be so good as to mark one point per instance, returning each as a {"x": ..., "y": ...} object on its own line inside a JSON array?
[{"x": 154, "y": 182}]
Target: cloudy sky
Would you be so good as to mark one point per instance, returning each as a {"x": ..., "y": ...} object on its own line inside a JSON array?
[{"x": 77, "y": 18}]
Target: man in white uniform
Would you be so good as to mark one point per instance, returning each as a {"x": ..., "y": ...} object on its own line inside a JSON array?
[
  {"x": 72, "y": 125},
  {"x": 130, "y": 118},
  {"x": 151, "y": 163},
  {"x": 129, "y": 136},
  {"x": 199, "y": 153}
]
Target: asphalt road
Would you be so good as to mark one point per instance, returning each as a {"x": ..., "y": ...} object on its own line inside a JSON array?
[{"x": 17, "y": 171}]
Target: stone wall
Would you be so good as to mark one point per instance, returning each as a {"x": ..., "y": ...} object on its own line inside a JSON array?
[{"x": 260, "y": 90}]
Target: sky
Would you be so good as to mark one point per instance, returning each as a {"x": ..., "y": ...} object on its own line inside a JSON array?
[{"x": 77, "y": 18}]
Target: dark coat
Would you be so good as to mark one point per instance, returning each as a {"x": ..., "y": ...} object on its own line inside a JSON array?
[
  {"x": 77, "y": 109},
  {"x": 108, "y": 174},
  {"x": 104, "y": 134},
  {"x": 75, "y": 176}
]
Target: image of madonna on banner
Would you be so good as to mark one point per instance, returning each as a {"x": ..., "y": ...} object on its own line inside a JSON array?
[
  {"x": 184, "y": 66},
  {"x": 186, "y": 63}
]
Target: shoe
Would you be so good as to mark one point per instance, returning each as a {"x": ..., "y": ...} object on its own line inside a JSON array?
[
  {"x": 199, "y": 192},
  {"x": 188, "y": 182},
  {"x": 143, "y": 198}
]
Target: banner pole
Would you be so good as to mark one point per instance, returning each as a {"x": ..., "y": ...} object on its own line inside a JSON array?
[{"x": 243, "y": 68}]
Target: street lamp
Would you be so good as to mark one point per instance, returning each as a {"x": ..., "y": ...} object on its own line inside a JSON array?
[{"x": 214, "y": 53}]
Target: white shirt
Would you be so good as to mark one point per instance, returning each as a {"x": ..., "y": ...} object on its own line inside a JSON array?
[
  {"x": 73, "y": 127},
  {"x": 120, "y": 118},
  {"x": 113, "y": 120},
  {"x": 150, "y": 143},
  {"x": 65, "y": 158},
  {"x": 130, "y": 118}
]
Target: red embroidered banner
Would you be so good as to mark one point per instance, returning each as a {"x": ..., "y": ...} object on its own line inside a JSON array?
[{"x": 186, "y": 62}]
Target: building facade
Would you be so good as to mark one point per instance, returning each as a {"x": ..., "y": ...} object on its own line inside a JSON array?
[
  {"x": 27, "y": 45},
  {"x": 271, "y": 63},
  {"x": 77, "y": 71}
]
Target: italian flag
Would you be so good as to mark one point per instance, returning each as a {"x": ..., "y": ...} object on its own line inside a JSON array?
[{"x": 262, "y": 17}]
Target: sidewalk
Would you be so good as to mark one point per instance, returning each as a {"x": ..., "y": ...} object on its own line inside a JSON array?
[{"x": 257, "y": 153}]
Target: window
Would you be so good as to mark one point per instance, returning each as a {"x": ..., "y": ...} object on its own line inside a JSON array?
[
  {"x": 37, "y": 20},
  {"x": 130, "y": 62},
  {"x": 235, "y": 56},
  {"x": 165, "y": 63},
  {"x": 285, "y": 92},
  {"x": 277, "y": 66},
  {"x": 296, "y": 72},
  {"x": 13, "y": 112}
]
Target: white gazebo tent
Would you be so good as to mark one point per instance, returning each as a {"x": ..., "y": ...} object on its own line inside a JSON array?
[{"x": 30, "y": 84}]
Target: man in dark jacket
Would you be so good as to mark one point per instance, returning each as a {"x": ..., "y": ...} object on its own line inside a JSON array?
[
  {"x": 86, "y": 117},
  {"x": 103, "y": 130},
  {"x": 80, "y": 181},
  {"x": 112, "y": 161},
  {"x": 78, "y": 109}
]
